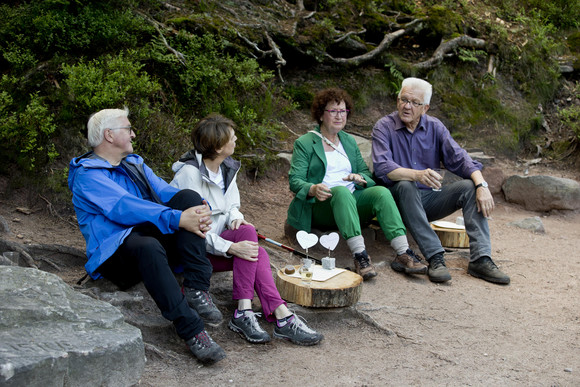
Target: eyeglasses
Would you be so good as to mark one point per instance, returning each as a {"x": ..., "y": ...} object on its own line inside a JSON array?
[
  {"x": 129, "y": 128},
  {"x": 334, "y": 113},
  {"x": 405, "y": 101}
]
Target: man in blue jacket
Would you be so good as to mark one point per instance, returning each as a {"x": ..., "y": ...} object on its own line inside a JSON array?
[{"x": 136, "y": 226}]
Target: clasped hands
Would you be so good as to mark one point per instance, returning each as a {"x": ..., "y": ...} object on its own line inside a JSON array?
[{"x": 197, "y": 219}]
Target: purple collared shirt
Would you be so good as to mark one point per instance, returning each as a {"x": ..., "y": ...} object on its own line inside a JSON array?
[{"x": 394, "y": 146}]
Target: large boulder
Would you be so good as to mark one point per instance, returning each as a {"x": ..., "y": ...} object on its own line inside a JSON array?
[
  {"x": 542, "y": 193},
  {"x": 51, "y": 335}
]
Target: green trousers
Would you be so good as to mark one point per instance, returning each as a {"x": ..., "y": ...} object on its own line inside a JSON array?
[{"x": 348, "y": 211}]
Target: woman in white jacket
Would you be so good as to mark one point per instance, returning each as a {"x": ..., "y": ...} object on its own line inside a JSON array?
[{"x": 232, "y": 243}]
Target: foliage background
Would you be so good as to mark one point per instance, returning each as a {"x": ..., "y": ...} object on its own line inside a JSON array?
[{"x": 173, "y": 63}]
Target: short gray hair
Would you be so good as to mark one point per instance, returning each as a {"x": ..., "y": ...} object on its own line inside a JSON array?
[
  {"x": 100, "y": 121},
  {"x": 418, "y": 84}
]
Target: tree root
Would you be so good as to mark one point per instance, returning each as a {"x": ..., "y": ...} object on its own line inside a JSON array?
[{"x": 27, "y": 251}]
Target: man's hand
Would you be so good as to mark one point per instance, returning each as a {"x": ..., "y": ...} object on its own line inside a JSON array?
[
  {"x": 320, "y": 191},
  {"x": 356, "y": 178},
  {"x": 196, "y": 219},
  {"x": 429, "y": 177},
  {"x": 237, "y": 223},
  {"x": 247, "y": 250},
  {"x": 484, "y": 199}
]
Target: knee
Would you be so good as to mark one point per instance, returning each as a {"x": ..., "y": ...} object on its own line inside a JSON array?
[
  {"x": 188, "y": 197},
  {"x": 341, "y": 193},
  {"x": 405, "y": 187},
  {"x": 248, "y": 232},
  {"x": 382, "y": 193}
]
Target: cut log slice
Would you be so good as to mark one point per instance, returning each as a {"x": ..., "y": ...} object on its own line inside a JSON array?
[
  {"x": 341, "y": 290},
  {"x": 450, "y": 237}
]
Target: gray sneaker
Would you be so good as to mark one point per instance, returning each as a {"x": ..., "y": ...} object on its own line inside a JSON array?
[
  {"x": 438, "y": 271},
  {"x": 201, "y": 301},
  {"x": 205, "y": 349},
  {"x": 485, "y": 269},
  {"x": 247, "y": 326},
  {"x": 297, "y": 332}
]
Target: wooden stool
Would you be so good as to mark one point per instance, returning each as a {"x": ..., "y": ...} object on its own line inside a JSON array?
[
  {"x": 451, "y": 237},
  {"x": 344, "y": 289}
]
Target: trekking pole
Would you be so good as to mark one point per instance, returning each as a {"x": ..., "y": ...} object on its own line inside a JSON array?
[{"x": 292, "y": 250}]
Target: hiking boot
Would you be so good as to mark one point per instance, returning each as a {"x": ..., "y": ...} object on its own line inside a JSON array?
[
  {"x": 205, "y": 349},
  {"x": 409, "y": 263},
  {"x": 296, "y": 331},
  {"x": 438, "y": 272},
  {"x": 363, "y": 265},
  {"x": 485, "y": 269},
  {"x": 201, "y": 301},
  {"x": 246, "y": 324}
]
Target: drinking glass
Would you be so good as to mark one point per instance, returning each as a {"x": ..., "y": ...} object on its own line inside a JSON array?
[
  {"x": 306, "y": 271},
  {"x": 441, "y": 172}
]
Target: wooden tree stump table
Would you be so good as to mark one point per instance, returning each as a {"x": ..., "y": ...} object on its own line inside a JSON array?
[{"x": 341, "y": 290}]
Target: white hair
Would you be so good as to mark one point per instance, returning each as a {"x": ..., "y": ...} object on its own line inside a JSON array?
[
  {"x": 418, "y": 84},
  {"x": 100, "y": 121}
]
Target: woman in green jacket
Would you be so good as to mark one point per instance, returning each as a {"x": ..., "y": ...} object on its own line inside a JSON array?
[{"x": 334, "y": 188}]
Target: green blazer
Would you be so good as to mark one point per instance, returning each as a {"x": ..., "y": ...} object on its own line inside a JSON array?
[{"x": 308, "y": 167}]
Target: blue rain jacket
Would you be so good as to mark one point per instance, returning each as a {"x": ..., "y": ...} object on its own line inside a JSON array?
[{"x": 109, "y": 204}]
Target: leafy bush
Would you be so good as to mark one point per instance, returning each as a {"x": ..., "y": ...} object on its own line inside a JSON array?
[
  {"x": 110, "y": 81},
  {"x": 25, "y": 134}
]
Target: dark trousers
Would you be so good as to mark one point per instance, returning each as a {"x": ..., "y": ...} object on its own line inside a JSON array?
[{"x": 146, "y": 255}]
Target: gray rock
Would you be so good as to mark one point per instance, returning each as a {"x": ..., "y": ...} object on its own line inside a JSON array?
[
  {"x": 534, "y": 224},
  {"x": 4, "y": 226},
  {"x": 495, "y": 178},
  {"x": 542, "y": 193},
  {"x": 51, "y": 335}
]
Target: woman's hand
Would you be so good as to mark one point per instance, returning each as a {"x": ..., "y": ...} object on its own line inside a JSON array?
[
  {"x": 237, "y": 223},
  {"x": 196, "y": 219},
  {"x": 320, "y": 191},
  {"x": 247, "y": 250},
  {"x": 356, "y": 178}
]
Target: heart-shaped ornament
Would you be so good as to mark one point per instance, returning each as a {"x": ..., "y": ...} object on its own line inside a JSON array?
[
  {"x": 329, "y": 241},
  {"x": 306, "y": 240}
]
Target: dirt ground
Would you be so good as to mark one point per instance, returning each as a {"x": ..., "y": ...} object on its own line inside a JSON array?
[{"x": 404, "y": 330}]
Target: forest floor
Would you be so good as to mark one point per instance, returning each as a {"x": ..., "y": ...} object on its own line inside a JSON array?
[{"x": 405, "y": 330}]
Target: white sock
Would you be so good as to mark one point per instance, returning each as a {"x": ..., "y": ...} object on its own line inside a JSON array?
[
  {"x": 356, "y": 244},
  {"x": 400, "y": 244}
]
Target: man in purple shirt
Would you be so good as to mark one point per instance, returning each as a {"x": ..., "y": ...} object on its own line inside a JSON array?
[{"x": 408, "y": 149}]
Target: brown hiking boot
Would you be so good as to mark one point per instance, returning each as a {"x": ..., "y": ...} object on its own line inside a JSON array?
[
  {"x": 363, "y": 265},
  {"x": 409, "y": 263}
]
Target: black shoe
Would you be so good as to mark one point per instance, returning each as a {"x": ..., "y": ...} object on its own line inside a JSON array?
[
  {"x": 485, "y": 269},
  {"x": 205, "y": 349},
  {"x": 438, "y": 272},
  {"x": 201, "y": 301}
]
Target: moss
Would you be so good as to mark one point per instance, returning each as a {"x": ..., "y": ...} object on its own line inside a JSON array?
[
  {"x": 573, "y": 42},
  {"x": 444, "y": 22}
]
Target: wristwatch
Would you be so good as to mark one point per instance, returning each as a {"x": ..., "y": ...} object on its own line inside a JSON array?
[{"x": 482, "y": 184}]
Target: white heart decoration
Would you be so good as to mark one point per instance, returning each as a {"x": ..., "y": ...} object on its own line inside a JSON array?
[
  {"x": 329, "y": 241},
  {"x": 305, "y": 239}
]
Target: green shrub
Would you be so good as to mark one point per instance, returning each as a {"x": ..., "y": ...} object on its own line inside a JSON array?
[
  {"x": 25, "y": 135},
  {"x": 111, "y": 81}
]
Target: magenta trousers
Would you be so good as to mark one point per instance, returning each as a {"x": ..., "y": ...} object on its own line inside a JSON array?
[{"x": 250, "y": 276}]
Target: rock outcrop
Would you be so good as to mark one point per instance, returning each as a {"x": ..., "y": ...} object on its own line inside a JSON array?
[
  {"x": 542, "y": 193},
  {"x": 51, "y": 335}
]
